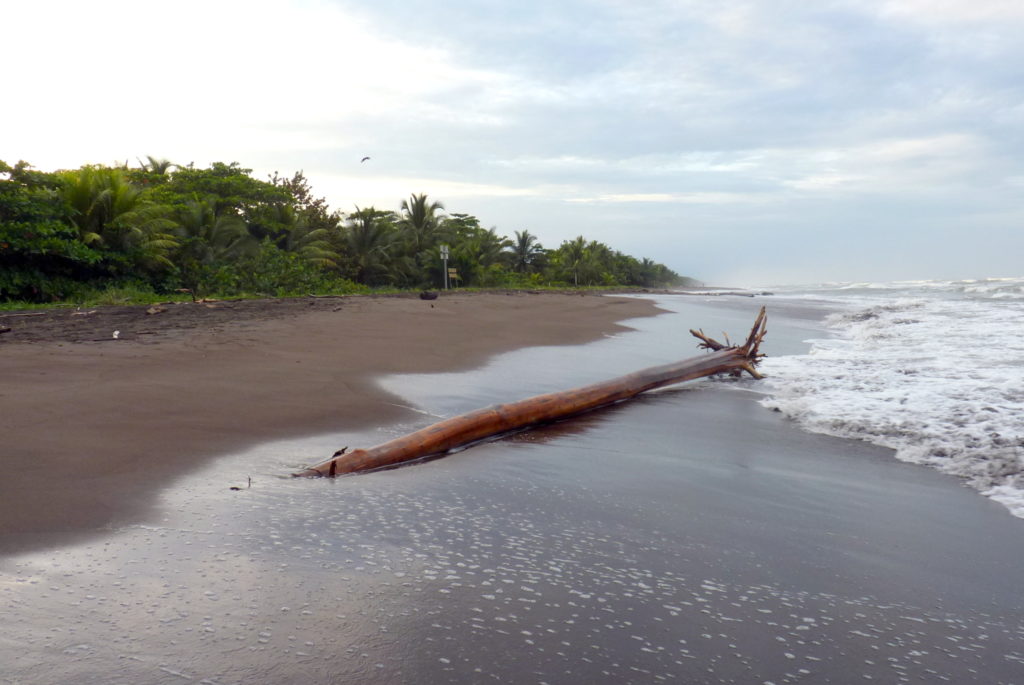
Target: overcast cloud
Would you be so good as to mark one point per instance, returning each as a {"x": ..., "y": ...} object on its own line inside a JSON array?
[{"x": 739, "y": 143}]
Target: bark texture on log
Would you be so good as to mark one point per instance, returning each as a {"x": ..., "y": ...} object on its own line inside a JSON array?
[{"x": 502, "y": 418}]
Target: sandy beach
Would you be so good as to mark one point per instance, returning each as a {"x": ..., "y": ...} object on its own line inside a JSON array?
[
  {"x": 94, "y": 426},
  {"x": 690, "y": 535}
]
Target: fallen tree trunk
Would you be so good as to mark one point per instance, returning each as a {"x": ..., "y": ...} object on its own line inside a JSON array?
[{"x": 483, "y": 423}]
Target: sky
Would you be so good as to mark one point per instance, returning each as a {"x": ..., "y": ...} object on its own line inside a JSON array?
[{"x": 740, "y": 143}]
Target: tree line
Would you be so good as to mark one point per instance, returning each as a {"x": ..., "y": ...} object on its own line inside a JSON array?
[{"x": 159, "y": 228}]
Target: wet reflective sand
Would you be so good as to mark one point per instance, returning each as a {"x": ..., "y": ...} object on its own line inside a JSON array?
[{"x": 689, "y": 536}]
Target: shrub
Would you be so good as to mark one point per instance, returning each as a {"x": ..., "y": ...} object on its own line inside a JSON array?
[{"x": 274, "y": 272}]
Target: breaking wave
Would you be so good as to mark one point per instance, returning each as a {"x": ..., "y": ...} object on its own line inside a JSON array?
[{"x": 933, "y": 370}]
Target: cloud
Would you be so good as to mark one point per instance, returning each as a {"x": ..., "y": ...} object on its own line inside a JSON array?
[
  {"x": 664, "y": 127},
  {"x": 889, "y": 167},
  {"x": 671, "y": 198},
  {"x": 954, "y": 12},
  {"x": 215, "y": 75},
  {"x": 385, "y": 192}
]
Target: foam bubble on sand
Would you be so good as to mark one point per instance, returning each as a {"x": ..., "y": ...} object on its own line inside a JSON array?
[{"x": 938, "y": 380}]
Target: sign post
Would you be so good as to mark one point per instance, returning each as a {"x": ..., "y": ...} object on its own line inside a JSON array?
[{"x": 444, "y": 260}]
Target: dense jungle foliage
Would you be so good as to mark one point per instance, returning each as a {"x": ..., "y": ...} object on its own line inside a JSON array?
[{"x": 160, "y": 229}]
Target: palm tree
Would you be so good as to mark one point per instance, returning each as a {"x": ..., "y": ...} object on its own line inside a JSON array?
[
  {"x": 488, "y": 247},
  {"x": 525, "y": 251},
  {"x": 574, "y": 252},
  {"x": 210, "y": 236},
  {"x": 297, "y": 234},
  {"x": 311, "y": 244},
  {"x": 153, "y": 165},
  {"x": 475, "y": 252},
  {"x": 110, "y": 212},
  {"x": 368, "y": 239},
  {"x": 419, "y": 222},
  {"x": 647, "y": 275},
  {"x": 598, "y": 264}
]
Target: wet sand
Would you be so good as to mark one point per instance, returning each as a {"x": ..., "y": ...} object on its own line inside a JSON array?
[
  {"x": 93, "y": 427},
  {"x": 688, "y": 536}
]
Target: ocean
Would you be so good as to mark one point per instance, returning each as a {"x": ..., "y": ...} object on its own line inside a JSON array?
[
  {"x": 691, "y": 535},
  {"x": 932, "y": 369}
]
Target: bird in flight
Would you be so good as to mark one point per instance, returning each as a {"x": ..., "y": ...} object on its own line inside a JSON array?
[{"x": 363, "y": 160}]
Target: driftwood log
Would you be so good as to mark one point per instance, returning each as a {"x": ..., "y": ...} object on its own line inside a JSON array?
[{"x": 503, "y": 418}]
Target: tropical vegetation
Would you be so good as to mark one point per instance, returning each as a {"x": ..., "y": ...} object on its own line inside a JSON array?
[{"x": 162, "y": 229}]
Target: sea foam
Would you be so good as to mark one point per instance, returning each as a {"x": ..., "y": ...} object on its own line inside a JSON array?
[{"x": 933, "y": 370}]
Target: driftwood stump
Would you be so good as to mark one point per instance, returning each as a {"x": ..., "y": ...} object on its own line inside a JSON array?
[{"x": 502, "y": 418}]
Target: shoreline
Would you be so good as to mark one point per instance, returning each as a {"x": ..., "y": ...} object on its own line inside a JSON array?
[
  {"x": 685, "y": 535},
  {"x": 95, "y": 429}
]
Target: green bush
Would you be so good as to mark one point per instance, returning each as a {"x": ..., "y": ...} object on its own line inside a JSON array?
[{"x": 277, "y": 273}]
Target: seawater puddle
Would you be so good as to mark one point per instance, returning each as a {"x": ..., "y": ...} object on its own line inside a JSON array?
[
  {"x": 685, "y": 537},
  {"x": 656, "y": 340}
]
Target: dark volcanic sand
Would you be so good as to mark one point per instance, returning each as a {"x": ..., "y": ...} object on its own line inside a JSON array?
[
  {"x": 690, "y": 536},
  {"x": 91, "y": 431}
]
